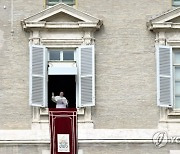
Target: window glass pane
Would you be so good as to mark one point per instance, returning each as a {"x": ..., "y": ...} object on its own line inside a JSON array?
[
  {"x": 177, "y": 73},
  {"x": 68, "y": 1},
  {"x": 53, "y": 0},
  {"x": 177, "y": 88},
  {"x": 177, "y": 102},
  {"x": 68, "y": 55},
  {"x": 54, "y": 55},
  {"x": 177, "y": 57},
  {"x": 176, "y": 2}
]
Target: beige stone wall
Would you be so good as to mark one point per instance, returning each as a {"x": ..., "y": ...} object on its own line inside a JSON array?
[
  {"x": 126, "y": 148},
  {"x": 24, "y": 148},
  {"x": 125, "y": 63},
  {"x": 14, "y": 60},
  {"x": 125, "y": 72},
  {"x": 91, "y": 148}
]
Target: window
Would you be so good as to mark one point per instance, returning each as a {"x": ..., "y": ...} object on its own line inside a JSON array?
[
  {"x": 176, "y": 2},
  {"x": 168, "y": 77},
  {"x": 54, "y": 2},
  {"x": 61, "y": 55},
  {"x": 83, "y": 82}
]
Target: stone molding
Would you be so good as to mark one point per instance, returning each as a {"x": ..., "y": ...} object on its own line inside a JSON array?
[
  {"x": 84, "y": 136},
  {"x": 84, "y": 20},
  {"x": 165, "y": 20},
  {"x": 102, "y": 136}
]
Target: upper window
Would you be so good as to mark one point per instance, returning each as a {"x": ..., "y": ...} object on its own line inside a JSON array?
[
  {"x": 54, "y": 2},
  {"x": 176, "y": 2},
  {"x": 61, "y": 55}
]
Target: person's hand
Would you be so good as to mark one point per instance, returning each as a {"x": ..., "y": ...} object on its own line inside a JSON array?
[{"x": 52, "y": 93}]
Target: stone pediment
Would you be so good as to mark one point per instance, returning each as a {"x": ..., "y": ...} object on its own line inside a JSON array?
[
  {"x": 169, "y": 19},
  {"x": 61, "y": 16}
]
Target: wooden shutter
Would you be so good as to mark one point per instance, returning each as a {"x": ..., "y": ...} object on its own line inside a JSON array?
[
  {"x": 38, "y": 76},
  {"x": 164, "y": 76},
  {"x": 86, "y": 76}
]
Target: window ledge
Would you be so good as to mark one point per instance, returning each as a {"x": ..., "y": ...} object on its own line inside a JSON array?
[
  {"x": 44, "y": 111},
  {"x": 174, "y": 113},
  {"x": 170, "y": 121},
  {"x": 80, "y": 111}
]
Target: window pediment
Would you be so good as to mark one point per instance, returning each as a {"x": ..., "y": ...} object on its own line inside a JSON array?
[
  {"x": 61, "y": 16},
  {"x": 166, "y": 20}
]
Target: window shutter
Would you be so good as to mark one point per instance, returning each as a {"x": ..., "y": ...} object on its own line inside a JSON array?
[
  {"x": 38, "y": 76},
  {"x": 164, "y": 76},
  {"x": 86, "y": 76}
]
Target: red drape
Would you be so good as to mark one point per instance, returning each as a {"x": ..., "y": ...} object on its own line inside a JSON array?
[{"x": 63, "y": 121}]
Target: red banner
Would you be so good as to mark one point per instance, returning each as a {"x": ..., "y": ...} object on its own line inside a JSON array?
[{"x": 63, "y": 123}]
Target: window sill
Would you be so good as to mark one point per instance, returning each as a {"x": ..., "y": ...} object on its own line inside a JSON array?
[
  {"x": 170, "y": 121},
  {"x": 44, "y": 111},
  {"x": 174, "y": 113}
]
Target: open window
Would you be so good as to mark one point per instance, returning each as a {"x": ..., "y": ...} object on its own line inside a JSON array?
[
  {"x": 54, "y": 2},
  {"x": 167, "y": 38},
  {"x": 63, "y": 27},
  {"x": 65, "y": 83},
  {"x": 66, "y": 71}
]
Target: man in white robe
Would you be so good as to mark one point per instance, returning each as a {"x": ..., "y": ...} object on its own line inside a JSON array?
[{"x": 61, "y": 101}]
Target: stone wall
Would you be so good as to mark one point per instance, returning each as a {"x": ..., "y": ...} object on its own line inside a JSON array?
[
  {"x": 14, "y": 63},
  {"x": 92, "y": 148},
  {"x": 125, "y": 63}
]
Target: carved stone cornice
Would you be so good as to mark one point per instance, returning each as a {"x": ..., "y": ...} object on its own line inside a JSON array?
[
  {"x": 39, "y": 20},
  {"x": 166, "y": 20}
]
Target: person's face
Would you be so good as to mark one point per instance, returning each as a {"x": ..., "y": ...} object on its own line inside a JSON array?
[{"x": 61, "y": 94}]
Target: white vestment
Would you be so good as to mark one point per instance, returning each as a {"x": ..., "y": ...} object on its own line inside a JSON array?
[{"x": 61, "y": 102}]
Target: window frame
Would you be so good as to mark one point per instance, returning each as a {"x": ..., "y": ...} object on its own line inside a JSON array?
[
  {"x": 82, "y": 62},
  {"x": 61, "y": 54},
  {"x": 60, "y": 1},
  {"x": 175, "y": 3}
]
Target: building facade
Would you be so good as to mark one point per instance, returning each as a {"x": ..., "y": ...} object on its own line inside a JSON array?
[{"x": 116, "y": 61}]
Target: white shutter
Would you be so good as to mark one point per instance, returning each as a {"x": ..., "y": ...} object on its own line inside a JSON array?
[
  {"x": 164, "y": 76},
  {"x": 38, "y": 76},
  {"x": 86, "y": 76}
]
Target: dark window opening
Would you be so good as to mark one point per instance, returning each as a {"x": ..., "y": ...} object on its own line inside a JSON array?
[{"x": 65, "y": 83}]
